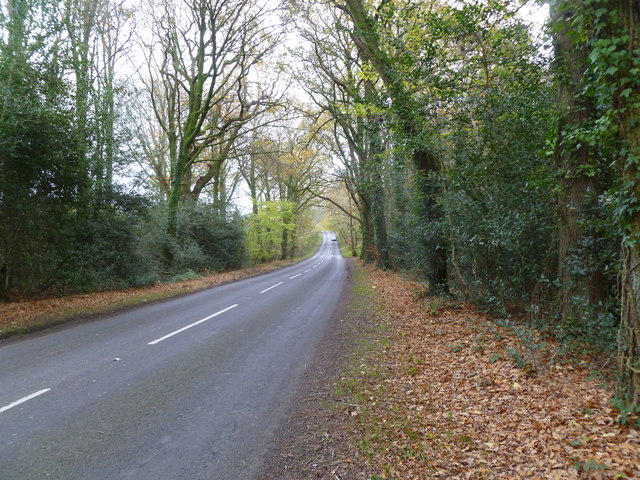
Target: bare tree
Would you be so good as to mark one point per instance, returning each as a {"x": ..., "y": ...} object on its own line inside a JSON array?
[{"x": 200, "y": 68}]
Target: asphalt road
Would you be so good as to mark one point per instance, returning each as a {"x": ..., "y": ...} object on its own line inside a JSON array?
[{"x": 191, "y": 388}]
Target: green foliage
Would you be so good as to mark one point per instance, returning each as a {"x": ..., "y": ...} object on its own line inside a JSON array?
[
  {"x": 627, "y": 411},
  {"x": 183, "y": 276},
  {"x": 205, "y": 242},
  {"x": 531, "y": 353},
  {"x": 498, "y": 180},
  {"x": 590, "y": 465},
  {"x": 220, "y": 241},
  {"x": 266, "y": 229},
  {"x": 101, "y": 249}
]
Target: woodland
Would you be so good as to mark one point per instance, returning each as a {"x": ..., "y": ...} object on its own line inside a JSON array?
[{"x": 151, "y": 141}]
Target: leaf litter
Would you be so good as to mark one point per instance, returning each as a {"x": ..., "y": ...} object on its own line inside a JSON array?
[{"x": 453, "y": 395}]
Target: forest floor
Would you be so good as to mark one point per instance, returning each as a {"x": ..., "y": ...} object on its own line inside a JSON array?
[
  {"x": 437, "y": 389},
  {"x": 28, "y": 316}
]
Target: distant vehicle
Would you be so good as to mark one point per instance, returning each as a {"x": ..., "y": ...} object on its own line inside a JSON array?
[{"x": 334, "y": 239}]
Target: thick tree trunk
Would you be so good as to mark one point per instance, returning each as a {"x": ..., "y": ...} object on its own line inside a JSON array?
[
  {"x": 284, "y": 245},
  {"x": 435, "y": 242},
  {"x": 379, "y": 223},
  {"x": 293, "y": 242},
  {"x": 175, "y": 194},
  {"x": 626, "y": 100},
  {"x": 629, "y": 334},
  {"x": 367, "y": 253},
  {"x": 581, "y": 291},
  {"x": 375, "y": 182}
]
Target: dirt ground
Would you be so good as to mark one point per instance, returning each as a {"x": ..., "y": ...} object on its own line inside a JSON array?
[{"x": 313, "y": 442}]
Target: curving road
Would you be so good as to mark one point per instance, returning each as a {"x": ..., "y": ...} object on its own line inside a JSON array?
[{"x": 191, "y": 388}]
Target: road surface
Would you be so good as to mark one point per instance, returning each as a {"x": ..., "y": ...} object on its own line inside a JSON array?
[{"x": 190, "y": 388}]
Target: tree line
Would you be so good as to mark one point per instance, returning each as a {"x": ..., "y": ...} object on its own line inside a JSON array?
[
  {"x": 127, "y": 131},
  {"x": 445, "y": 138},
  {"x": 500, "y": 166}
]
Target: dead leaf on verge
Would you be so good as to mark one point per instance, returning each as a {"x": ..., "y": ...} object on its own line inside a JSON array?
[{"x": 479, "y": 415}]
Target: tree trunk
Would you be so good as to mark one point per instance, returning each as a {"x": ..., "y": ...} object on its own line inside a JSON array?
[
  {"x": 373, "y": 168},
  {"x": 580, "y": 290},
  {"x": 379, "y": 221},
  {"x": 366, "y": 36},
  {"x": 367, "y": 253},
  {"x": 626, "y": 101},
  {"x": 629, "y": 335},
  {"x": 175, "y": 194},
  {"x": 352, "y": 239},
  {"x": 284, "y": 245},
  {"x": 435, "y": 243},
  {"x": 293, "y": 241}
]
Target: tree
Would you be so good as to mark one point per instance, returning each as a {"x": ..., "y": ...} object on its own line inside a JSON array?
[
  {"x": 114, "y": 27},
  {"x": 343, "y": 87},
  {"x": 582, "y": 177},
  {"x": 408, "y": 120},
  {"x": 200, "y": 86},
  {"x": 79, "y": 19},
  {"x": 494, "y": 118},
  {"x": 611, "y": 31},
  {"x": 283, "y": 166},
  {"x": 344, "y": 222},
  {"x": 614, "y": 27},
  {"x": 41, "y": 170},
  {"x": 624, "y": 32}
]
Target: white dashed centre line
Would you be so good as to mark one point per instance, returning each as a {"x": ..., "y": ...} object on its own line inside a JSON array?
[
  {"x": 22, "y": 400},
  {"x": 272, "y": 286},
  {"x": 192, "y": 325},
  {"x": 291, "y": 278},
  {"x": 308, "y": 270}
]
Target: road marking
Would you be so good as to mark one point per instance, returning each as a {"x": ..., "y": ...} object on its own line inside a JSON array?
[
  {"x": 22, "y": 400},
  {"x": 192, "y": 325},
  {"x": 308, "y": 270},
  {"x": 291, "y": 278},
  {"x": 272, "y": 286}
]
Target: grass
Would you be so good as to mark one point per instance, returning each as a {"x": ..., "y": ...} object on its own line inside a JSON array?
[
  {"x": 360, "y": 386},
  {"x": 346, "y": 251}
]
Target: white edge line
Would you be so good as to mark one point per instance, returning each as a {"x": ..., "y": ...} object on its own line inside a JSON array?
[
  {"x": 291, "y": 278},
  {"x": 22, "y": 400},
  {"x": 192, "y": 325},
  {"x": 272, "y": 286}
]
